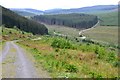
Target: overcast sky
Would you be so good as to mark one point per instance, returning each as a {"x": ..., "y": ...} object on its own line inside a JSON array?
[{"x": 51, "y": 4}]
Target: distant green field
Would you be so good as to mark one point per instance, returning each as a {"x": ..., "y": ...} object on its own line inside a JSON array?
[
  {"x": 108, "y": 18},
  {"x": 104, "y": 33},
  {"x": 63, "y": 30}
]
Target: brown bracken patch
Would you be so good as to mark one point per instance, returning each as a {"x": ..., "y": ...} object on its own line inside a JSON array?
[{"x": 87, "y": 57}]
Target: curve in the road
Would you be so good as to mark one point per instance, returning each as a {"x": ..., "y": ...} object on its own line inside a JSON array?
[
  {"x": 25, "y": 68},
  {"x": 80, "y": 33}
]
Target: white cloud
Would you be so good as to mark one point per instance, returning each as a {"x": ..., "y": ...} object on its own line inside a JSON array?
[{"x": 50, "y": 4}]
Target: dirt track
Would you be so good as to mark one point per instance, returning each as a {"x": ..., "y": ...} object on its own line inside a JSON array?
[{"x": 17, "y": 64}]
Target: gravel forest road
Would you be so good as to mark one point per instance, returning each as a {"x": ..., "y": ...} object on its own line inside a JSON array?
[{"x": 17, "y": 64}]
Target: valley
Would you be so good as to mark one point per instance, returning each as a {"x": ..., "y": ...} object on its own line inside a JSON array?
[
  {"x": 52, "y": 46},
  {"x": 68, "y": 59},
  {"x": 98, "y": 33}
]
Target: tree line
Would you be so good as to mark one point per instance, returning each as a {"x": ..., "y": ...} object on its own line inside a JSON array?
[{"x": 74, "y": 20}]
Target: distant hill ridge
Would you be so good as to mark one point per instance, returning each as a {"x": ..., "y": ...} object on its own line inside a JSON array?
[
  {"x": 90, "y": 9},
  {"x": 27, "y": 11}
]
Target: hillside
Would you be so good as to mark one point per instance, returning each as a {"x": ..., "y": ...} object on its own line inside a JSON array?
[
  {"x": 107, "y": 14},
  {"x": 11, "y": 19},
  {"x": 9, "y": 34},
  {"x": 79, "y": 21},
  {"x": 108, "y": 18},
  {"x": 63, "y": 58},
  {"x": 60, "y": 57}
]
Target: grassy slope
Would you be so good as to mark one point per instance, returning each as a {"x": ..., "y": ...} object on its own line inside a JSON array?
[
  {"x": 104, "y": 33},
  {"x": 69, "y": 63},
  {"x": 14, "y": 34}
]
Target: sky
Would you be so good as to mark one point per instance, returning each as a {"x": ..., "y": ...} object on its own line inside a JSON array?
[{"x": 52, "y": 4}]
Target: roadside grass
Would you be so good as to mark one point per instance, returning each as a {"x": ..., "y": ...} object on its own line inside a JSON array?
[
  {"x": 84, "y": 61},
  {"x": 103, "y": 33},
  {"x": 1, "y": 46}
]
